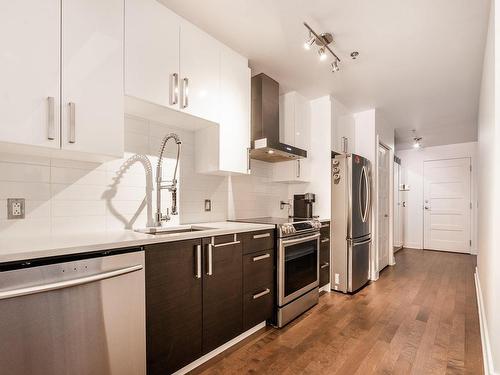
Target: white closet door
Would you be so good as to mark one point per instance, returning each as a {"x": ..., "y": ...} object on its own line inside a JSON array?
[
  {"x": 93, "y": 76},
  {"x": 30, "y": 72},
  {"x": 383, "y": 206},
  {"x": 447, "y": 205}
]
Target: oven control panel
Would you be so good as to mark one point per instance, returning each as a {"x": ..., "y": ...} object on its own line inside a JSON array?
[{"x": 290, "y": 229}]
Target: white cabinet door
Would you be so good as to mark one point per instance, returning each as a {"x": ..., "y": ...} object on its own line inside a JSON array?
[
  {"x": 294, "y": 120},
  {"x": 292, "y": 172},
  {"x": 93, "y": 76},
  {"x": 151, "y": 52},
  {"x": 199, "y": 72},
  {"x": 234, "y": 112},
  {"x": 30, "y": 72}
]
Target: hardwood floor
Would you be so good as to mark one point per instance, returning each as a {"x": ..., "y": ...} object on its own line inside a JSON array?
[{"x": 420, "y": 317}]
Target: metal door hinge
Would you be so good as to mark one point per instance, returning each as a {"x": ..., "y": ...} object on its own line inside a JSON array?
[
  {"x": 471, "y": 205},
  {"x": 470, "y": 242}
]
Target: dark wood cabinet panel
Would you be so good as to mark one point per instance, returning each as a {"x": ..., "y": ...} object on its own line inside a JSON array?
[
  {"x": 325, "y": 229},
  {"x": 324, "y": 254},
  {"x": 258, "y": 270},
  {"x": 258, "y": 306},
  {"x": 222, "y": 293},
  {"x": 257, "y": 241},
  {"x": 173, "y": 306},
  {"x": 324, "y": 275}
]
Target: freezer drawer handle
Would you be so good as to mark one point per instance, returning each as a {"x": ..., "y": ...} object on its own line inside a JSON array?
[
  {"x": 261, "y": 294},
  {"x": 260, "y": 257},
  {"x": 68, "y": 283},
  {"x": 361, "y": 243}
]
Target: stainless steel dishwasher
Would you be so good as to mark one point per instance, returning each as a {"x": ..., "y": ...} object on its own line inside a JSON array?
[{"x": 76, "y": 315}]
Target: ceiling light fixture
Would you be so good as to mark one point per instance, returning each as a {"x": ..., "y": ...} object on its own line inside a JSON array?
[
  {"x": 322, "y": 54},
  {"x": 323, "y": 41},
  {"x": 416, "y": 142},
  {"x": 310, "y": 42},
  {"x": 335, "y": 66}
]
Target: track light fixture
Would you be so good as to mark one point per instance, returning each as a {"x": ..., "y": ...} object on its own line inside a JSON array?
[{"x": 322, "y": 41}]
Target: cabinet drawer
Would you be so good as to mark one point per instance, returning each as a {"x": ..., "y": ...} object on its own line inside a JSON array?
[
  {"x": 324, "y": 253},
  {"x": 257, "y": 306},
  {"x": 325, "y": 229},
  {"x": 324, "y": 274},
  {"x": 258, "y": 270},
  {"x": 257, "y": 241}
]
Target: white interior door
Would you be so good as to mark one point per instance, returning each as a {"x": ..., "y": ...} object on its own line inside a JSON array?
[
  {"x": 30, "y": 72},
  {"x": 398, "y": 214},
  {"x": 447, "y": 205},
  {"x": 383, "y": 206}
]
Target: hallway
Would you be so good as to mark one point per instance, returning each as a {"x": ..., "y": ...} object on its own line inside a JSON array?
[{"x": 420, "y": 317}]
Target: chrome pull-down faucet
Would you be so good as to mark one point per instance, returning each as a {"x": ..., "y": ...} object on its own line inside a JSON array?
[{"x": 171, "y": 186}]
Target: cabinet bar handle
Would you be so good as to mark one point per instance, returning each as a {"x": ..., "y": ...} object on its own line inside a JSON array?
[
  {"x": 198, "y": 262},
  {"x": 185, "y": 92},
  {"x": 210, "y": 260},
  {"x": 72, "y": 135},
  {"x": 264, "y": 235},
  {"x": 174, "y": 89},
  {"x": 260, "y": 257},
  {"x": 227, "y": 244},
  {"x": 325, "y": 265},
  {"x": 325, "y": 240},
  {"x": 298, "y": 168},
  {"x": 50, "y": 119},
  {"x": 261, "y": 294},
  {"x": 325, "y": 225},
  {"x": 249, "y": 165}
]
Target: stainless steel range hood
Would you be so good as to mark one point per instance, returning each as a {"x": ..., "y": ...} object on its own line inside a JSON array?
[{"x": 266, "y": 145}]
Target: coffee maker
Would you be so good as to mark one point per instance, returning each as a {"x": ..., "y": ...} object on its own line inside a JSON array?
[{"x": 303, "y": 206}]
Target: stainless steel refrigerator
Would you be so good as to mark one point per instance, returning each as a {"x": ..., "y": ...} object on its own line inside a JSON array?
[{"x": 351, "y": 222}]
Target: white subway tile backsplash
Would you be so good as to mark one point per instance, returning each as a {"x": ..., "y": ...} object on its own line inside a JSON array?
[
  {"x": 79, "y": 196},
  {"x": 20, "y": 172}
]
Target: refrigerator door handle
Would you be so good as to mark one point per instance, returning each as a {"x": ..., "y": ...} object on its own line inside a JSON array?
[
  {"x": 363, "y": 186},
  {"x": 368, "y": 194}
]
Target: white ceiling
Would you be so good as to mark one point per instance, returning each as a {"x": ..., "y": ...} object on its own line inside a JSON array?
[{"x": 420, "y": 61}]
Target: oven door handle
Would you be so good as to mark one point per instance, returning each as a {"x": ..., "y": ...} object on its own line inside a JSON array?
[{"x": 301, "y": 239}]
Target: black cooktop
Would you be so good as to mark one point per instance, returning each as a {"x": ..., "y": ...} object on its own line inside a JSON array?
[{"x": 271, "y": 220}]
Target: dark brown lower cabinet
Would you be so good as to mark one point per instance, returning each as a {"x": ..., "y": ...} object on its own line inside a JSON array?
[
  {"x": 222, "y": 292},
  {"x": 324, "y": 255},
  {"x": 173, "y": 306},
  {"x": 195, "y": 298}
]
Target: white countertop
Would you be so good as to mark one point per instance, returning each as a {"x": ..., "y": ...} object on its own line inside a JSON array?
[{"x": 24, "y": 248}]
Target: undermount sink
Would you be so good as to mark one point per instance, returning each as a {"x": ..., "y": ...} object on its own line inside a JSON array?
[{"x": 173, "y": 230}]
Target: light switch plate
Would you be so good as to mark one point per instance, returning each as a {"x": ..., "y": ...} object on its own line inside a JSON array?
[
  {"x": 16, "y": 208},
  {"x": 208, "y": 205}
]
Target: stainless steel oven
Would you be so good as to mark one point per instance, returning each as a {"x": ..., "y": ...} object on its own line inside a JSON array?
[{"x": 298, "y": 267}]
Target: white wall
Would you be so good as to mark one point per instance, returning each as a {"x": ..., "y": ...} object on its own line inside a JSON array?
[
  {"x": 489, "y": 186},
  {"x": 413, "y": 164}
]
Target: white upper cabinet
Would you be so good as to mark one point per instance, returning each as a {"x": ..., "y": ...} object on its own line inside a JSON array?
[
  {"x": 152, "y": 52},
  {"x": 184, "y": 72},
  {"x": 30, "y": 72},
  {"x": 92, "y": 79},
  {"x": 90, "y": 46},
  {"x": 292, "y": 172},
  {"x": 234, "y": 112},
  {"x": 199, "y": 73},
  {"x": 343, "y": 128},
  {"x": 295, "y": 120}
]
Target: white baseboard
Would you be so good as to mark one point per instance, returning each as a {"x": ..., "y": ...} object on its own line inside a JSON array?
[
  {"x": 326, "y": 288},
  {"x": 485, "y": 340},
  {"x": 219, "y": 350}
]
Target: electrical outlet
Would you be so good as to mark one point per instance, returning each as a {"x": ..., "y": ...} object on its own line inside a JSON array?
[{"x": 16, "y": 208}]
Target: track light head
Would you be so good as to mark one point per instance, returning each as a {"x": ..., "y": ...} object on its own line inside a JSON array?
[
  {"x": 416, "y": 142},
  {"x": 335, "y": 66},
  {"x": 322, "y": 54},
  {"x": 310, "y": 42}
]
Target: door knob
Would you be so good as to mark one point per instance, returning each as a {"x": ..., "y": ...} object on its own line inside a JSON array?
[{"x": 427, "y": 207}]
